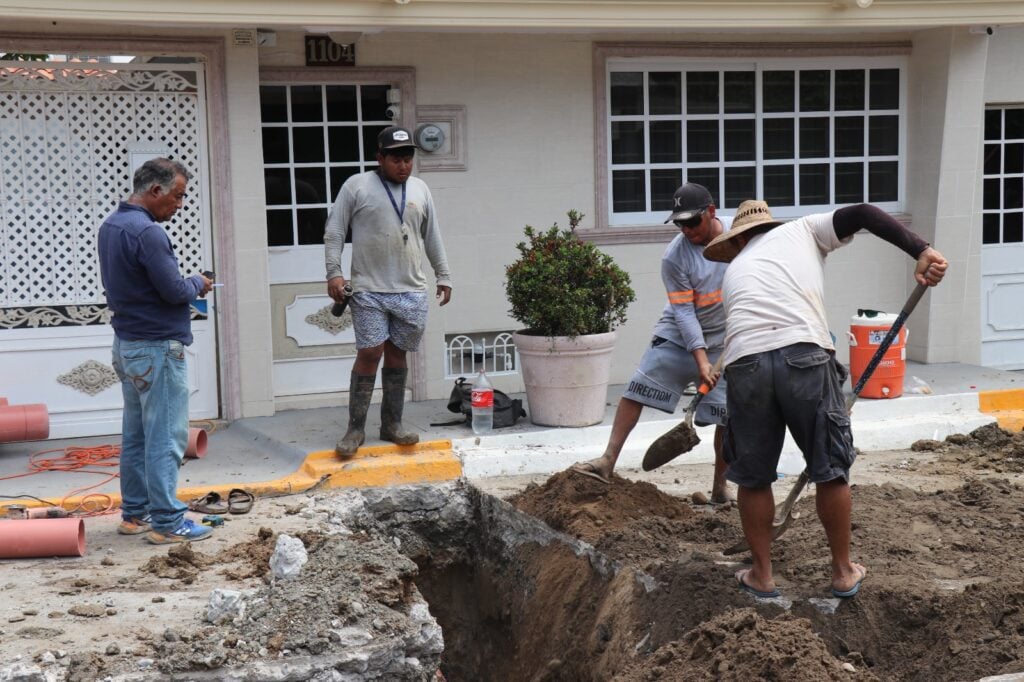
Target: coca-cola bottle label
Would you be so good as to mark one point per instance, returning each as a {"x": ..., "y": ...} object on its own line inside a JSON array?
[{"x": 483, "y": 397}]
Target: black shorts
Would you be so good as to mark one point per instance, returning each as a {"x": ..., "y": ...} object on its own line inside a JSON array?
[{"x": 799, "y": 387}]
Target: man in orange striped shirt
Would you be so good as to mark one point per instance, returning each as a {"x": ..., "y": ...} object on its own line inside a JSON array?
[{"x": 688, "y": 338}]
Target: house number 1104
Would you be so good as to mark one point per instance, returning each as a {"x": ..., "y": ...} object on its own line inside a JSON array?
[{"x": 321, "y": 50}]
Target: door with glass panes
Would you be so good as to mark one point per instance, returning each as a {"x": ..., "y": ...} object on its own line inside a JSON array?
[
  {"x": 1002, "y": 250},
  {"x": 315, "y": 136}
]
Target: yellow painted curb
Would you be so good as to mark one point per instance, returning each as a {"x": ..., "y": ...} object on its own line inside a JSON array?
[
  {"x": 372, "y": 467},
  {"x": 1007, "y": 406}
]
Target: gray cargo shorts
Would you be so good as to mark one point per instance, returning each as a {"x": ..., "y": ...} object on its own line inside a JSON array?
[
  {"x": 799, "y": 387},
  {"x": 664, "y": 372}
]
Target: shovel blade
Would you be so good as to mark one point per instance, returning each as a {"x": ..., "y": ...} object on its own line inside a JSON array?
[{"x": 680, "y": 439}]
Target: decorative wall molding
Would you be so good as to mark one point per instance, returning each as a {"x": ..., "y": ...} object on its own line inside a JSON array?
[
  {"x": 309, "y": 322},
  {"x": 54, "y": 316},
  {"x": 63, "y": 316},
  {"x": 323, "y": 319},
  {"x": 90, "y": 377},
  {"x": 94, "y": 78}
]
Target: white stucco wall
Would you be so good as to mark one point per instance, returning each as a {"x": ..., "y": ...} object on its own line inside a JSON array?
[
  {"x": 248, "y": 202},
  {"x": 946, "y": 113},
  {"x": 530, "y": 155},
  {"x": 1004, "y": 81}
]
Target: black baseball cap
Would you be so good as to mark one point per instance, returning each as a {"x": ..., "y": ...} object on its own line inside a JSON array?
[
  {"x": 689, "y": 200},
  {"x": 394, "y": 137}
]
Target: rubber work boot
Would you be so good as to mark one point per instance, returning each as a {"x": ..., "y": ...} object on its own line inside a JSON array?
[
  {"x": 391, "y": 407},
  {"x": 360, "y": 391}
]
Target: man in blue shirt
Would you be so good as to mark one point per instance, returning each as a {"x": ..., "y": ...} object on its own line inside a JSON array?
[{"x": 150, "y": 301}]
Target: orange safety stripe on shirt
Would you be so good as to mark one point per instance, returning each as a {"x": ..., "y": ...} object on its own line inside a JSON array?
[
  {"x": 698, "y": 299},
  {"x": 678, "y": 297},
  {"x": 710, "y": 298}
]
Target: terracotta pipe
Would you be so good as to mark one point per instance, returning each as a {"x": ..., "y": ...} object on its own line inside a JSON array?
[
  {"x": 40, "y": 538},
  {"x": 196, "y": 447},
  {"x": 20, "y": 511},
  {"x": 3, "y": 402},
  {"x": 24, "y": 422}
]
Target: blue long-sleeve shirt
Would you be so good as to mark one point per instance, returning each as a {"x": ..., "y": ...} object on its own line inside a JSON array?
[{"x": 142, "y": 280}]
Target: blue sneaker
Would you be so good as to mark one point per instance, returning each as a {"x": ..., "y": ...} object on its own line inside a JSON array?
[{"x": 188, "y": 531}]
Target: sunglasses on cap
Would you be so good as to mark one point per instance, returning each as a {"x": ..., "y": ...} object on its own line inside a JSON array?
[{"x": 692, "y": 221}]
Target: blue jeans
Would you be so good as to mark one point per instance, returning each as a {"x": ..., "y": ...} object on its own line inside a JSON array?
[{"x": 154, "y": 428}]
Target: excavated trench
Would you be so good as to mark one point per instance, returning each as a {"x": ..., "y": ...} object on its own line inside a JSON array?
[
  {"x": 651, "y": 597},
  {"x": 574, "y": 580}
]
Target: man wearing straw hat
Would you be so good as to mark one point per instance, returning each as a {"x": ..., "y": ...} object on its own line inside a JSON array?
[
  {"x": 687, "y": 339},
  {"x": 781, "y": 369}
]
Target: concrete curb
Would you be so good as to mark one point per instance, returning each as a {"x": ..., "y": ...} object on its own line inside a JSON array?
[
  {"x": 1007, "y": 406},
  {"x": 372, "y": 467},
  {"x": 876, "y": 424}
]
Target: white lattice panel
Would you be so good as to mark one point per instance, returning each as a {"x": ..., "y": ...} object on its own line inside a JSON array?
[{"x": 64, "y": 164}]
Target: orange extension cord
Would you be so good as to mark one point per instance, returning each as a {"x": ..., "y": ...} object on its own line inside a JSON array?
[{"x": 80, "y": 459}]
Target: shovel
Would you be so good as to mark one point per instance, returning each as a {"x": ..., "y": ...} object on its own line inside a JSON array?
[
  {"x": 785, "y": 515},
  {"x": 682, "y": 438}
]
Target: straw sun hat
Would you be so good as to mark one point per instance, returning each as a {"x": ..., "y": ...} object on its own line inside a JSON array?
[{"x": 750, "y": 214}]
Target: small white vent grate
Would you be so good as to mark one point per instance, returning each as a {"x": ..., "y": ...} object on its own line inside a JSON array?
[{"x": 467, "y": 354}]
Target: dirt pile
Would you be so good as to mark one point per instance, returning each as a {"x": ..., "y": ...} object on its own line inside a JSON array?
[
  {"x": 742, "y": 645},
  {"x": 988, "y": 448},
  {"x": 943, "y": 599},
  {"x": 629, "y": 521}
]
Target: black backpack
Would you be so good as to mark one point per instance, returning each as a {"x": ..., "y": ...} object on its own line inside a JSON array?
[{"x": 506, "y": 410}]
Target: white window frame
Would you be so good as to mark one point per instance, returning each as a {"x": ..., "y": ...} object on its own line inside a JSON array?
[
  {"x": 1001, "y": 211},
  {"x": 611, "y": 228}
]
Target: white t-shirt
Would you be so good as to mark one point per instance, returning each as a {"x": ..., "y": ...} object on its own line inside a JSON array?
[{"x": 774, "y": 290}]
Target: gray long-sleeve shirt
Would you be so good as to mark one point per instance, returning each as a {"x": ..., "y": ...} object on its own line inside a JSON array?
[
  {"x": 694, "y": 313},
  {"x": 387, "y": 254}
]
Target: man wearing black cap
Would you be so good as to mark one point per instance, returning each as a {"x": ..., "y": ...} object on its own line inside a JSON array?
[
  {"x": 391, "y": 218},
  {"x": 688, "y": 338}
]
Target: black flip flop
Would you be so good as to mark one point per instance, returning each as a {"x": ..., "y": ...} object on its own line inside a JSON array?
[{"x": 240, "y": 501}]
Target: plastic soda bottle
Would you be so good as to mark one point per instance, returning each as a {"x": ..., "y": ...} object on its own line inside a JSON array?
[{"x": 483, "y": 405}]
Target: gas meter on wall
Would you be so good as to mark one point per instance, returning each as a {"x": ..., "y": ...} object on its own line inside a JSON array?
[{"x": 429, "y": 137}]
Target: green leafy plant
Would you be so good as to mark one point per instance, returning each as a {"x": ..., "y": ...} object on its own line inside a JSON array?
[{"x": 563, "y": 286}]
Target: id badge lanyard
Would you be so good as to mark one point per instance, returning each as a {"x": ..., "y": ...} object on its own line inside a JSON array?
[{"x": 399, "y": 210}]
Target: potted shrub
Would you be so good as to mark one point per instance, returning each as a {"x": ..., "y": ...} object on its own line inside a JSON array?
[{"x": 569, "y": 296}]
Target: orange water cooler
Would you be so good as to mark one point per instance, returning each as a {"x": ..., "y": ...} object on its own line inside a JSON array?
[{"x": 867, "y": 329}]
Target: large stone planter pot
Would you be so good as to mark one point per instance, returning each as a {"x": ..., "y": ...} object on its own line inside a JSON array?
[{"x": 566, "y": 378}]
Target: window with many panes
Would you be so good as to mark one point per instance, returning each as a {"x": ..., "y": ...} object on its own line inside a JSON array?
[
  {"x": 1003, "y": 201},
  {"x": 314, "y": 138},
  {"x": 802, "y": 135}
]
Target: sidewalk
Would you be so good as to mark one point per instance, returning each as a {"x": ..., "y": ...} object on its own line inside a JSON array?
[{"x": 293, "y": 450}]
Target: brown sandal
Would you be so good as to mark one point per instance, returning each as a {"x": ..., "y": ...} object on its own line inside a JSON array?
[
  {"x": 240, "y": 501},
  {"x": 210, "y": 503}
]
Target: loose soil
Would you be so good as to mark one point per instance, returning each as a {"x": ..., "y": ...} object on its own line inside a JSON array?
[
  {"x": 940, "y": 528},
  {"x": 943, "y": 600}
]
